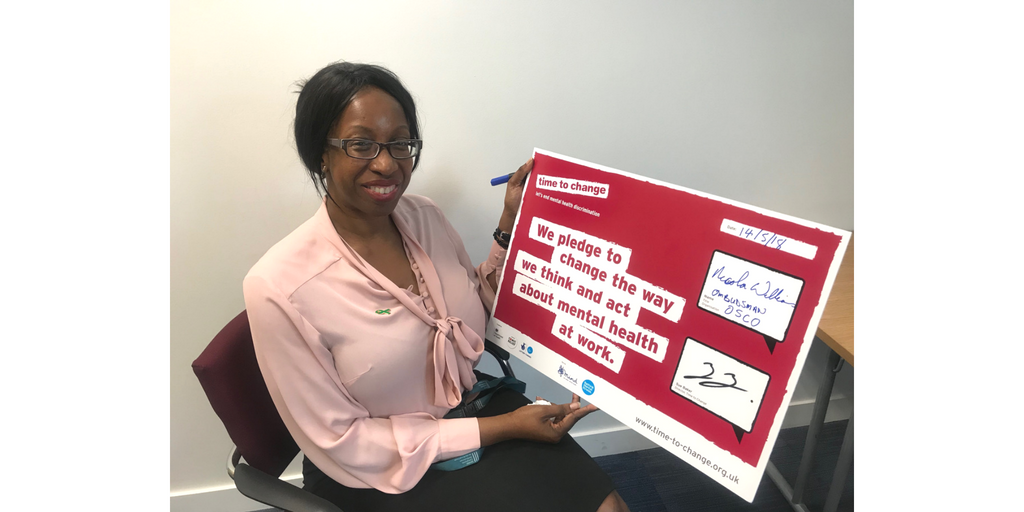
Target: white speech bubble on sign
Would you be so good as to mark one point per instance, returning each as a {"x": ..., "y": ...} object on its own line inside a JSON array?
[
  {"x": 751, "y": 295},
  {"x": 725, "y": 386}
]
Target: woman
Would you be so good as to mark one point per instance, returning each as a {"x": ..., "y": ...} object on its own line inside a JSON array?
[{"x": 367, "y": 323}]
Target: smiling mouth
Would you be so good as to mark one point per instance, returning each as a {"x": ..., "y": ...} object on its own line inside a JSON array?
[{"x": 382, "y": 193}]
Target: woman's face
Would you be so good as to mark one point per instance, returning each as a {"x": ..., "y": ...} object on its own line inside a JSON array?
[{"x": 368, "y": 188}]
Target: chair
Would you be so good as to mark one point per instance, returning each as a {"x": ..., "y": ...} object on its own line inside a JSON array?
[{"x": 230, "y": 376}]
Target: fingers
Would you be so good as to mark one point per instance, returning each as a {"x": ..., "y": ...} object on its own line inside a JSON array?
[
  {"x": 559, "y": 411},
  {"x": 551, "y": 413},
  {"x": 552, "y": 421},
  {"x": 573, "y": 412},
  {"x": 520, "y": 175},
  {"x": 566, "y": 423},
  {"x": 589, "y": 407}
]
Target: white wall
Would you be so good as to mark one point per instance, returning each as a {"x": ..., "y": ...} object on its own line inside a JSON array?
[{"x": 748, "y": 100}]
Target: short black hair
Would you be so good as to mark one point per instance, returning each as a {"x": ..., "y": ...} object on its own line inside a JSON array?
[{"x": 324, "y": 96}]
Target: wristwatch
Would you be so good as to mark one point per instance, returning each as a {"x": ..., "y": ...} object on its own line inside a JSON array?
[{"x": 502, "y": 238}]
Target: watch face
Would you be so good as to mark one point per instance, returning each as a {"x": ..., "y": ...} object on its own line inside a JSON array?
[{"x": 502, "y": 238}]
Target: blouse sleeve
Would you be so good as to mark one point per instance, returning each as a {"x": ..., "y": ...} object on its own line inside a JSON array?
[{"x": 330, "y": 427}]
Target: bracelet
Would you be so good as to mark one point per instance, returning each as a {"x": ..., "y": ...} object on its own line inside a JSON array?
[{"x": 502, "y": 238}]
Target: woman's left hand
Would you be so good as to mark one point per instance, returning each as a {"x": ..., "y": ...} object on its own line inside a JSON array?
[
  {"x": 548, "y": 423},
  {"x": 513, "y": 196},
  {"x": 567, "y": 421}
]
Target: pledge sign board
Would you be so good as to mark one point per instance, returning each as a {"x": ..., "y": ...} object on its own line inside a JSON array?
[{"x": 683, "y": 315}]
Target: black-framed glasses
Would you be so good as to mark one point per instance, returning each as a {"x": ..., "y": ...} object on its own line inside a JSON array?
[{"x": 368, "y": 150}]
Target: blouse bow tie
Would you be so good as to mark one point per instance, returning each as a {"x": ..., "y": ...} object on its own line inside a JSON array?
[{"x": 452, "y": 334}]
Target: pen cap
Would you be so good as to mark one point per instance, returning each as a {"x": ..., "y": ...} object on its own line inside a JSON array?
[{"x": 500, "y": 179}]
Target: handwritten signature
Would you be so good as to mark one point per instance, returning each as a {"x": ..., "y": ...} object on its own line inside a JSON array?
[
  {"x": 774, "y": 294},
  {"x": 712, "y": 384}
]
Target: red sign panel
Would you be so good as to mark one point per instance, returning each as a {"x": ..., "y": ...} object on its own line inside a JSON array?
[{"x": 683, "y": 315}]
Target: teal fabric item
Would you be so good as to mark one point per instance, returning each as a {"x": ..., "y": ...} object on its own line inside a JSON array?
[
  {"x": 486, "y": 389},
  {"x": 459, "y": 462}
]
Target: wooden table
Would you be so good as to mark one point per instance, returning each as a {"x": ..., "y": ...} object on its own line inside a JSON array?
[
  {"x": 836, "y": 325},
  {"x": 835, "y": 329}
]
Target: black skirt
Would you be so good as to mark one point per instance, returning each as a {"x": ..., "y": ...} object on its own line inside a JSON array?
[{"x": 513, "y": 476}]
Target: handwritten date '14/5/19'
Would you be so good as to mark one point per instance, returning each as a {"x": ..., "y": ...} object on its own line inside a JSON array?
[{"x": 712, "y": 384}]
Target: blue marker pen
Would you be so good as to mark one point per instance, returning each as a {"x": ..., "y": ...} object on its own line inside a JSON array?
[{"x": 501, "y": 179}]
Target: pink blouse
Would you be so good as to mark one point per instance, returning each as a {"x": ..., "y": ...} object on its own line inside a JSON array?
[{"x": 360, "y": 370}]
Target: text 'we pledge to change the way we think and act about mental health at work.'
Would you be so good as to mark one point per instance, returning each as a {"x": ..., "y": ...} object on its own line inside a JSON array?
[{"x": 594, "y": 299}]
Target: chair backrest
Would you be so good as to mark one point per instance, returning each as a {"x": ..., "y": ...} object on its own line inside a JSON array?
[{"x": 230, "y": 375}]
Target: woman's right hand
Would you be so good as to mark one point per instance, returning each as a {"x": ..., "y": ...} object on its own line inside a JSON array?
[
  {"x": 514, "y": 196},
  {"x": 543, "y": 423}
]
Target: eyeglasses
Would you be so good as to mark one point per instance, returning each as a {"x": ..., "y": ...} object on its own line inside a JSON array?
[{"x": 368, "y": 150}]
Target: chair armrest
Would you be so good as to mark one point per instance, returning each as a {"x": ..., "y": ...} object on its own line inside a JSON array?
[
  {"x": 501, "y": 355},
  {"x": 275, "y": 492}
]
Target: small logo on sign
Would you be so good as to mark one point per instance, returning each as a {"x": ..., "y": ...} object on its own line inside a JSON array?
[
  {"x": 525, "y": 349},
  {"x": 588, "y": 387},
  {"x": 565, "y": 375}
]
